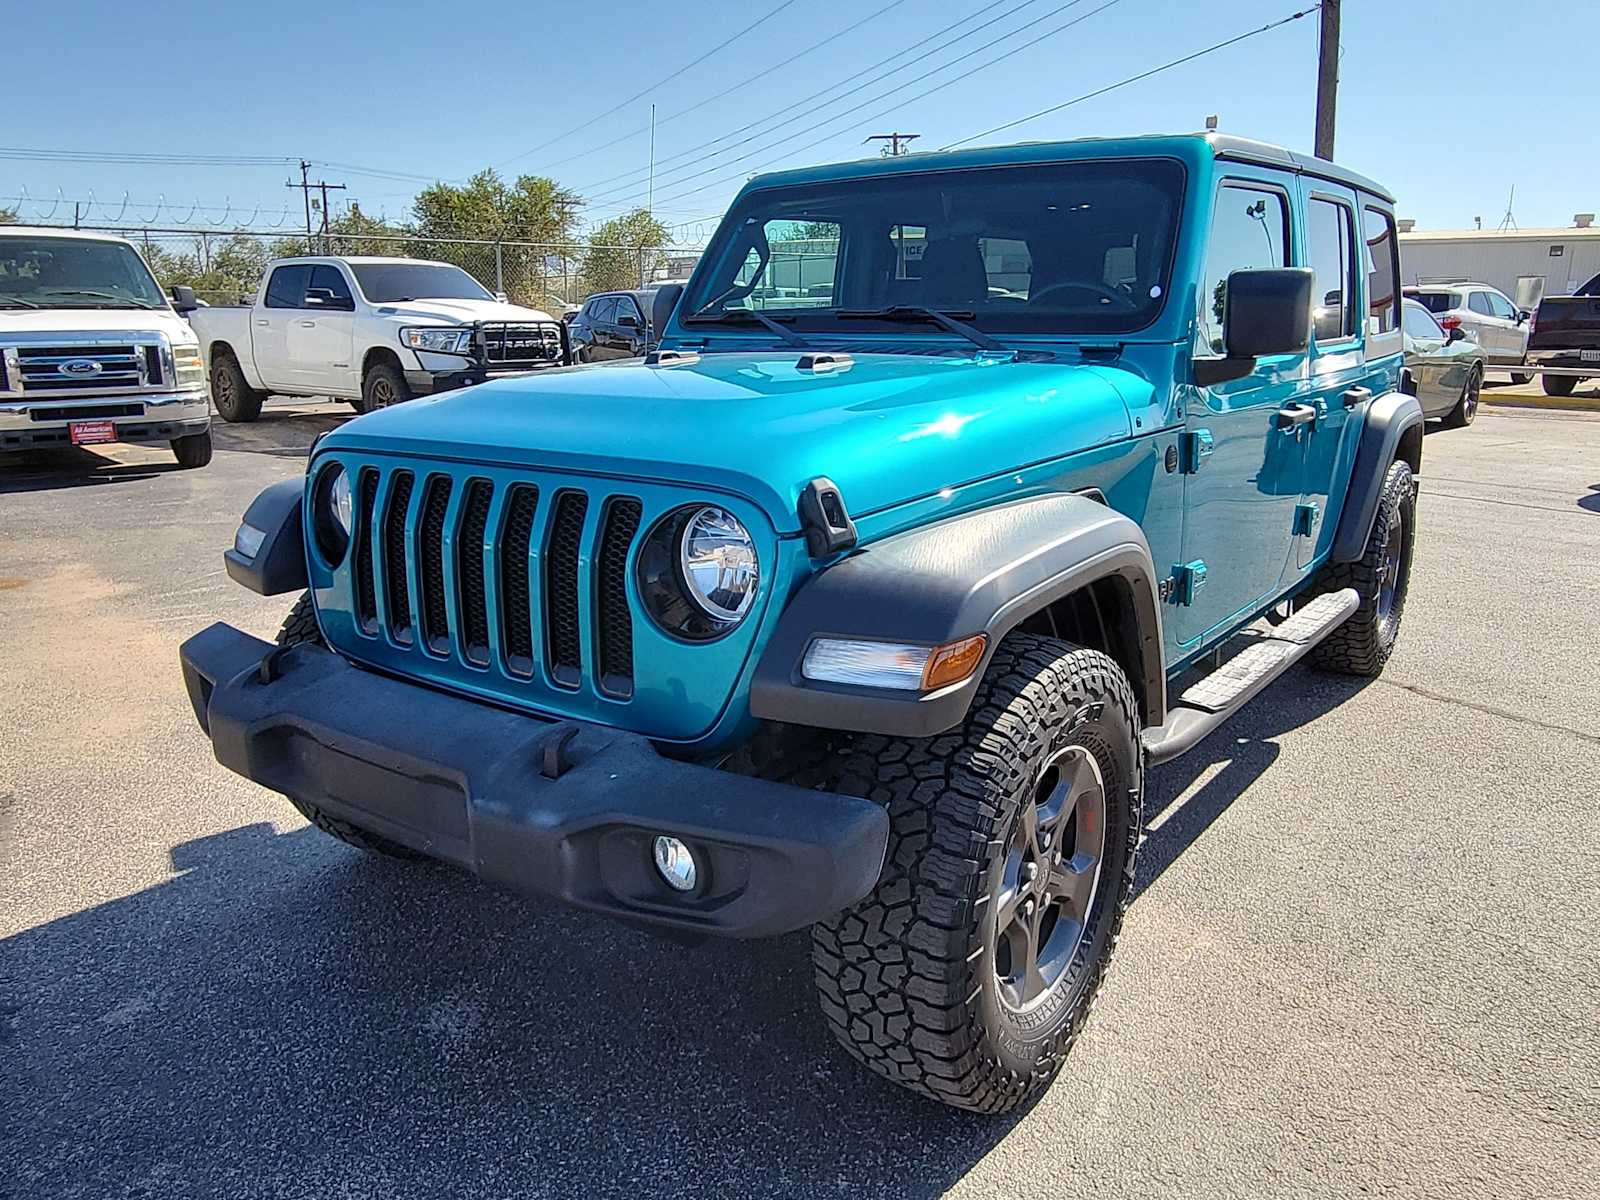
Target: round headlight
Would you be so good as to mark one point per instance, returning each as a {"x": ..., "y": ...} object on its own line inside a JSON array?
[
  {"x": 719, "y": 563},
  {"x": 698, "y": 572},
  {"x": 331, "y": 513}
]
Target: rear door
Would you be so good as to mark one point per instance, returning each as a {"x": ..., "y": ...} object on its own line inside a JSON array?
[
  {"x": 321, "y": 338},
  {"x": 1243, "y": 476},
  {"x": 630, "y": 340},
  {"x": 270, "y": 324}
]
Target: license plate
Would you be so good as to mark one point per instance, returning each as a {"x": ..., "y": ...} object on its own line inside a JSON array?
[
  {"x": 1590, "y": 356},
  {"x": 86, "y": 433}
]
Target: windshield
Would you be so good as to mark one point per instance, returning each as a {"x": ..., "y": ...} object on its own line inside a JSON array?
[
  {"x": 1079, "y": 247},
  {"x": 47, "y": 272},
  {"x": 387, "y": 283}
]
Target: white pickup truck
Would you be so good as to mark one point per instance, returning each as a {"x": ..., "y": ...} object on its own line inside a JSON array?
[
  {"x": 373, "y": 331},
  {"x": 90, "y": 351}
]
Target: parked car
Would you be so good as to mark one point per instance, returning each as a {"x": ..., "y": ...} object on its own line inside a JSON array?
[
  {"x": 613, "y": 325},
  {"x": 1443, "y": 368},
  {"x": 1486, "y": 314},
  {"x": 90, "y": 350},
  {"x": 1565, "y": 333},
  {"x": 373, "y": 331},
  {"x": 866, "y": 616}
]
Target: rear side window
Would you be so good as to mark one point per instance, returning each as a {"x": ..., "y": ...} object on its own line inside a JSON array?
[
  {"x": 1329, "y": 254},
  {"x": 1478, "y": 302},
  {"x": 1383, "y": 271},
  {"x": 287, "y": 287},
  {"x": 1437, "y": 302},
  {"x": 1250, "y": 230}
]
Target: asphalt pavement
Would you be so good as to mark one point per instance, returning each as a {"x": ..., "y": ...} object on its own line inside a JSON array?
[{"x": 1361, "y": 959}]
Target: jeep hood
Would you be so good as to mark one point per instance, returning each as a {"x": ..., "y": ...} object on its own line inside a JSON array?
[{"x": 887, "y": 428}]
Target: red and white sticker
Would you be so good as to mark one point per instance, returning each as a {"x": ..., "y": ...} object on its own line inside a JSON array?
[{"x": 87, "y": 432}]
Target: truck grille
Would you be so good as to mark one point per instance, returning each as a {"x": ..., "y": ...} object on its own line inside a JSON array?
[
  {"x": 485, "y": 574},
  {"x": 506, "y": 344},
  {"x": 44, "y": 369}
]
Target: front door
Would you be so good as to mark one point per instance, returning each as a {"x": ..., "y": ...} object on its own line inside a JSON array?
[
  {"x": 321, "y": 337},
  {"x": 1244, "y": 474}
]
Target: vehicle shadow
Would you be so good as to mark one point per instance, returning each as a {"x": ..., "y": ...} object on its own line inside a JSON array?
[
  {"x": 1591, "y": 501},
  {"x": 76, "y": 466},
  {"x": 285, "y": 432},
  {"x": 288, "y": 1016},
  {"x": 1245, "y": 748}
]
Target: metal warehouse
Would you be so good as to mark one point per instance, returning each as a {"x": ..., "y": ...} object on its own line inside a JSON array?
[{"x": 1525, "y": 264}]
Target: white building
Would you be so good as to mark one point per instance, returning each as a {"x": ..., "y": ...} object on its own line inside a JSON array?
[{"x": 1525, "y": 264}]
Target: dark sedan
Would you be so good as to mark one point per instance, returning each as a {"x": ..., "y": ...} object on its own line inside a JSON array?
[
  {"x": 613, "y": 325},
  {"x": 1444, "y": 371}
]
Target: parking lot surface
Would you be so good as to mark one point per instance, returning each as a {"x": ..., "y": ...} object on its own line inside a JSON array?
[{"x": 1361, "y": 958}]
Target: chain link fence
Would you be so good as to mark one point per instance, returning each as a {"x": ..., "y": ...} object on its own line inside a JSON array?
[{"x": 226, "y": 267}]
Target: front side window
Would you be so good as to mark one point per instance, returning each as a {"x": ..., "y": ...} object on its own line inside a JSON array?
[
  {"x": 1383, "y": 270},
  {"x": 1249, "y": 231},
  {"x": 1501, "y": 307},
  {"x": 1478, "y": 302},
  {"x": 1052, "y": 248},
  {"x": 332, "y": 279},
  {"x": 48, "y": 272},
  {"x": 1329, "y": 255},
  {"x": 1420, "y": 323}
]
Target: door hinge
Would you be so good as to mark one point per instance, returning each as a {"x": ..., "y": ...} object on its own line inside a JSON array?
[
  {"x": 1197, "y": 447},
  {"x": 1305, "y": 519},
  {"x": 1185, "y": 583}
]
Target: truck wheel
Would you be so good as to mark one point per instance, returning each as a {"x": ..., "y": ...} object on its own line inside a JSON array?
[
  {"x": 1558, "y": 385},
  {"x": 300, "y": 627},
  {"x": 1466, "y": 409},
  {"x": 237, "y": 402},
  {"x": 968, "y": 973},
  {"x": 1381, "y": 577},
  {"x": 192, "y": 451},
  {"x": 383, "y": 385}
]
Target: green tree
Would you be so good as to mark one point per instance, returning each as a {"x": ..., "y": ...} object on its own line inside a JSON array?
[
  {"x": 356, "y": 232},
  {"x": 623, "y": 252},
  {"x": 488, "y": 209},
  {"x": 8, "y": 216}
]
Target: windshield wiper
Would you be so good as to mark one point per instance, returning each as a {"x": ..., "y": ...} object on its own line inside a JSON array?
[
  {"x": 742, "y": 315},
  {"x": 16, "y": 302},
  {"x": 916, "y": 312}
]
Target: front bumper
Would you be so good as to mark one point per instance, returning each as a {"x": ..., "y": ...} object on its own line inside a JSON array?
[
  {"x": 426, "y": 383},
  {"x": 147, "y": 417},
  {"x": 565, "y": 809}
]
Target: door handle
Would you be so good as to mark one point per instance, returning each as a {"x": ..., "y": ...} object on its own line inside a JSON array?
[
  {"x": 263, "y": 322},
  {"x": 1357, "y": 395},
  {"x": 1292, "y": 416},
  {"x": 308, "y": 324}
]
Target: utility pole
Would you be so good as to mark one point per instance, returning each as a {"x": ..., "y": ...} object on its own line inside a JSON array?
[
  {"x": 305, "y": 185},
  {"x": 896, "y": 141},
  {"x": 325, "y": 185},
  {"x": 1327, "y": 78},
  {"x": 650, "y": 193}
]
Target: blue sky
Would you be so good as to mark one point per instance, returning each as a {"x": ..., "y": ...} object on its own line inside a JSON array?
[{"x": 1447, "y": 104}]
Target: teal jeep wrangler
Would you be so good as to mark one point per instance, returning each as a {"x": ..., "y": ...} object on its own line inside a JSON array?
[{"x": 864, "y": 602}]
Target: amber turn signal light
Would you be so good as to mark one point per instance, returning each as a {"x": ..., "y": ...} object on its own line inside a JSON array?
[{"x": 953, "y": 662}]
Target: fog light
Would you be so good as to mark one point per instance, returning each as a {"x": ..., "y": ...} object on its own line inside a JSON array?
[{"x": 676, "y": 864}]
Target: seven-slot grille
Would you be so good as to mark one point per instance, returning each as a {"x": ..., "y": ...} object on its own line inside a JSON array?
[
  {"x": 497, "y": 575},
  {"x": 49, "y": 369},
  {"x": 505, "y": 343}
]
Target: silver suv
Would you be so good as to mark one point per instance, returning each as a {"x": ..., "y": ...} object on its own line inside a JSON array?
[{"x": 1485, "y": 314}]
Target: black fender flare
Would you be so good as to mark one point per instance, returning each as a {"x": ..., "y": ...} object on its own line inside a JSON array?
[
  {"x": 981, "y": 572},
  {"x": 1392, "y": 429},
  {"x": 279, "y": 563}
]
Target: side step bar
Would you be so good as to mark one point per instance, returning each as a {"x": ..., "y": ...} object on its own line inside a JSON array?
[{"x": 1210, "y": 701}]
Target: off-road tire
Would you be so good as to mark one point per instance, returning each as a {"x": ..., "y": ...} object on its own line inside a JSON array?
[
  {"x": 1466, "y": 409},
  {"x": 1558, "y": 385},
  {"x": 300, "y": 627},
  {"x": 1363, "y": 644},
  {"x": 907, "y": 977},
  {"x": 192, "y": 451},
  {"x": 237, "y": 402},
  {"x": 383, "y": 386}
]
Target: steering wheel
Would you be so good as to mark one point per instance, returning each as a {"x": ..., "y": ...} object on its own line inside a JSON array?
[{"x": 1084, "y": 285}]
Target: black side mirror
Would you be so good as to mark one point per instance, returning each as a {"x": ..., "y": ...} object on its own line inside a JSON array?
[
  {"x": 666, "y": 299},
  {"x": 1523, "y": 314},
  {"x": 183, "y": 299},
  {"x": 324, "y": 298},
  {"x": 1456, "y": 334},
  {"x": 628, "y": 321},
  {"x": 1266, "y": 311}
]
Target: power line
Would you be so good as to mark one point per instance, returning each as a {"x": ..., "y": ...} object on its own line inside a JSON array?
[
  {"x": 800, "y": 107},
  {"x": 877, "y": 116},
  {"x": 759, "y": 76},
  {"x": 1111, "y": 87},
  {"x": 646, "y": 91}
]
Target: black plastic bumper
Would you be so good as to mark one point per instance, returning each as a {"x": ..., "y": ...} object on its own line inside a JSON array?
[{"x": 564, "y": 809}]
